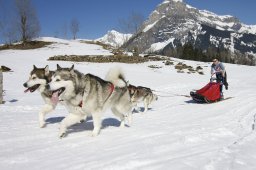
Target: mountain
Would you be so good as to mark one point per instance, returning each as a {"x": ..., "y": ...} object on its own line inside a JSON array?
[
  {"x": 114, "y": 38},
  {"x": 174, "y": 23}
]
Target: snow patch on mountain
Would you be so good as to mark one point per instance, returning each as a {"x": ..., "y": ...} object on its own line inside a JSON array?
[
  {"x": 248, "y": 28},
  {"x": 148, "y": 27},
  {"x": 160, "y": 45},
  {"x": 178, "y": 0}
]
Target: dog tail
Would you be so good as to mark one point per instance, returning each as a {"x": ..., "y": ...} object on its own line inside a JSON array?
[{"x": 116, "y": 76}]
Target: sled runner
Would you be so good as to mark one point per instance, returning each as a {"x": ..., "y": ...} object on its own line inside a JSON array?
[{"x": 208, "y": 94}]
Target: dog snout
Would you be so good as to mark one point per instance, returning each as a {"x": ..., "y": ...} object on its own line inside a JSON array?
[
  {"x": 25, "y": 85},
  {"x": 47, "y": 87}
]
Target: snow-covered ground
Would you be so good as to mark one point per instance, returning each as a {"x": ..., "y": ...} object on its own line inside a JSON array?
[{"x": 175, "y": 133}]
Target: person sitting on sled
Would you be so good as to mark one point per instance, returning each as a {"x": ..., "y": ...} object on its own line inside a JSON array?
[{"x": 218, "y": 69}]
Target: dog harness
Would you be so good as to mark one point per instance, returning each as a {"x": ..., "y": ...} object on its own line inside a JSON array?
[
  {"x": 112, "y": 87},
  {"x": 80, "y": 104}
]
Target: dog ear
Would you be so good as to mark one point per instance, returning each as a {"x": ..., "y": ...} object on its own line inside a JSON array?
[
  {"x": 46, "y": 69},
  {"x": 34, "y": 67},
  {"x": 58, "y": 67},
  {"x": 72, "y": 67},
  {"x": 72, "y": 70}
]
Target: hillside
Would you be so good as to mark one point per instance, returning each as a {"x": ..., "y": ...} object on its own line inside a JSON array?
[{"x": 175, "y": 133}]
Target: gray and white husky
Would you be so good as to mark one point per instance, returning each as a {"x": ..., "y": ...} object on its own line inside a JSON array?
[
  {"x": 38, "y": 78},
  {"x": 86, "y": 94},
  {"x": 142, "y": 94}
]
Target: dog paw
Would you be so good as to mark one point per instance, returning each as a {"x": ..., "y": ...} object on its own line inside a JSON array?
[
  {"x": 42, "y": 124},
  {"x": 122, "y": 124},
  {"x": 62, "y": 135},
  {"x": 94, "y": 133},
  {"x": 129, "y": 119}
]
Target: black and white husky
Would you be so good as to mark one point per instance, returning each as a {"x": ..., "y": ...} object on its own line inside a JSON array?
[
  {"x": 38, "y": 79},
  {"x": 86, "y": 94},
  {"x": 142, "y": 94}
]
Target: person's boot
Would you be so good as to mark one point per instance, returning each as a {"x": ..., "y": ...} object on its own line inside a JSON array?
[
  {"x": 226, "y": 85},
  {"x": 221, "y": 96}
]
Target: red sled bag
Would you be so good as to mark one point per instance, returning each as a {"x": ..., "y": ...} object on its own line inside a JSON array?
[{"x": 209, "y": 93}]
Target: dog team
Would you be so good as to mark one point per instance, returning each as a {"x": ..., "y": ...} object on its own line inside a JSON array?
[{"x": 86, "y": 95}]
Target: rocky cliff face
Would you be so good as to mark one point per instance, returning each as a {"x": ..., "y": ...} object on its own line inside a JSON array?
[{"x": 174, "y": 23}]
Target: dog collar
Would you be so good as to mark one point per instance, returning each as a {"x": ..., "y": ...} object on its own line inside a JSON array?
[
  {"x": 112, "y": 87},
  {"x": 80, "y": 104}
]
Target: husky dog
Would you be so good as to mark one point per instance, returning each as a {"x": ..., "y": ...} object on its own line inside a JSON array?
[
  {"x": 86, "y": 94},
  {"x": 39, "y": 77},
  {"x": 139, "y": 94}
]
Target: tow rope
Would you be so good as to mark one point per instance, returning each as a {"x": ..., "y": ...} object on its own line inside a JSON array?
[{"x": 169, "y": 94}]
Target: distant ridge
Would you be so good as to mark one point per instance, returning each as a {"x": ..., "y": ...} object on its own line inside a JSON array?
[{"x": 114, "y": 38}]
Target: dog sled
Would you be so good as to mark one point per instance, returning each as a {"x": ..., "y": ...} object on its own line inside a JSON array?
[{"x": 210, "y": 93}]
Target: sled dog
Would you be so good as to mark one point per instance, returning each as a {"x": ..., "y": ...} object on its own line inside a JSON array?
[
  {"x": 38, "y": 79},
  {"x": 142, "y": 94},
  {"x": 87, "y": 94}
]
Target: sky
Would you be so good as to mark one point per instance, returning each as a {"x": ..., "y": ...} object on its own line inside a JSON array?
[{"x": 96, "y": 17}]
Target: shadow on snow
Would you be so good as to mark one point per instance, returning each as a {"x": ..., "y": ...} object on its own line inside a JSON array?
[{"x": 86, "y": 125}]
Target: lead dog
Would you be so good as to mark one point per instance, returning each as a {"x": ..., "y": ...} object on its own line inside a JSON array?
[
  {"x": 38, "y": 78},
  {"x": 86, "y": 94}
]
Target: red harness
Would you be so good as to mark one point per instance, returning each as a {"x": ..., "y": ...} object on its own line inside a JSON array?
[
  {"x": 112, "y": 87},
  {"x": 80, "y": 104}
]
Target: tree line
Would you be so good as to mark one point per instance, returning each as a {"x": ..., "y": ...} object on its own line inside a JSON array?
[
  {"x": 189, "y": 52},
  {"x": 25, "y": 26}
]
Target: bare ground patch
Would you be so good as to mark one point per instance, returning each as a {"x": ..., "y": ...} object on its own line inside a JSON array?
[
  {"x": 106, "y": 59},
  {"x": 25, "y": 46}
]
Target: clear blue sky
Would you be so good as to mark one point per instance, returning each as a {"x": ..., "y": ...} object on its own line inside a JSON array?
[{"x": 96, "y": 17}]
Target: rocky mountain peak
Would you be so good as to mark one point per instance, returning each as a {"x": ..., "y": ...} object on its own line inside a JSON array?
[{"x": 174, "y": 23}]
